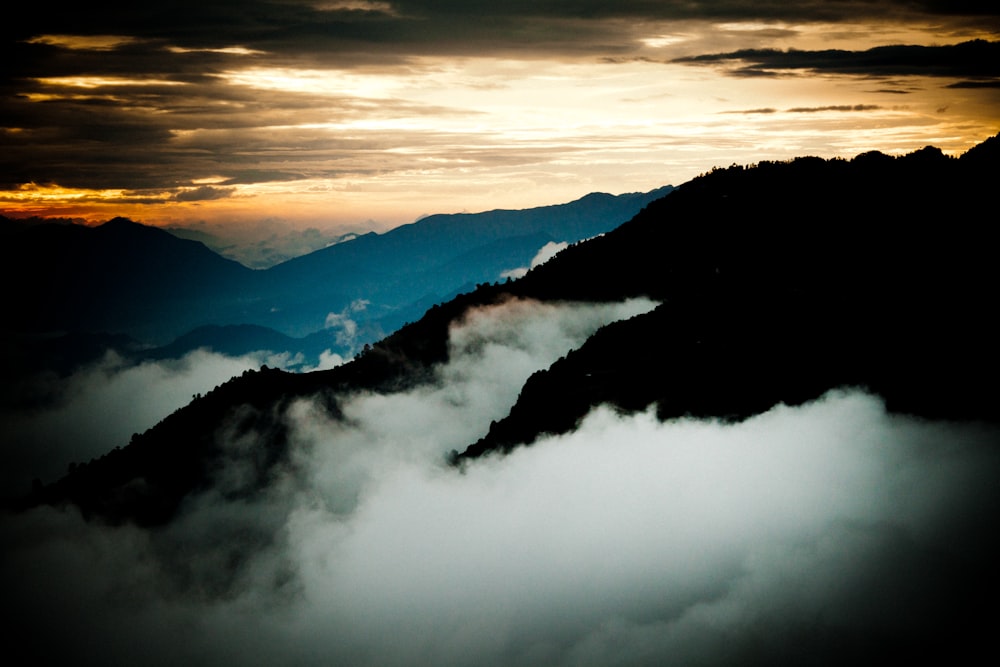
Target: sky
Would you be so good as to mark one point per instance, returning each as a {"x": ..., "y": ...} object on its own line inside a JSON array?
[
  {"x": 804, "y": 535},
  {"x": 358, "y": 115}
]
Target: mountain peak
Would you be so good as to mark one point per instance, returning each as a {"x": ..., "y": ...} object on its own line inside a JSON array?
[
  {"x": 121, "y": 225},
  {"x": 120, "y": 222}
]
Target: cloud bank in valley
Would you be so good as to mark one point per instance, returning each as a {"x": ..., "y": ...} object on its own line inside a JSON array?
[
  {"x": 100, "y": 406},
  {"x": 804, "y": 534}
]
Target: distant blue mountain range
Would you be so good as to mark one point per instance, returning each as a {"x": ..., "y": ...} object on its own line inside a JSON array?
[{"x": 171, "y": 295}]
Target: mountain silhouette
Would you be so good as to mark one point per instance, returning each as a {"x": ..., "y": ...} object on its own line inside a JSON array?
[
  {"x": 787, "y": 280},
  {"x": 120, "y": 277},
  {"x": 777, "y": 282}
]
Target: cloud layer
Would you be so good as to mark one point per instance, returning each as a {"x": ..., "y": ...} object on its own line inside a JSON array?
[
  {"x": 101, "y": 406},
  {"x": 828, "y": 533},
  {"x": 356, "y": 111}
]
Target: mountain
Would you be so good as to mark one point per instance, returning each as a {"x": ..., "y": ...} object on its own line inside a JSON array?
[
  {"x": 756, "y": 424},
  {"x": 120, "y": 277},
  {"x": 127, "y": 278},
  {"x": 789, "y": 280},
  {"x": 777, "y": 282},
  {"x": 261, "y": 246},
  {"x": 428, "y": 260}
]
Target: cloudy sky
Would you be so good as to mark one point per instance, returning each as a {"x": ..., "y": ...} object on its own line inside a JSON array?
[{"x": 365, "y": 114}]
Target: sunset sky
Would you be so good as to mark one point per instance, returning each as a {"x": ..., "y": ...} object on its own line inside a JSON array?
[{"x": 353, "y": 115}]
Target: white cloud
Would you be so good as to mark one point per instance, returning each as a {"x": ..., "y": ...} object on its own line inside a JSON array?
[
  {"x": 627, "y": 542},
  {"x": 544, "y": 254},
  {"x": 492, "y": 352},
  {"x": 102, "y": 405},
  {"x": 634, "y": 542},
  {"x": 327, "y": 360},
  {"x": 347, "y": 336}
]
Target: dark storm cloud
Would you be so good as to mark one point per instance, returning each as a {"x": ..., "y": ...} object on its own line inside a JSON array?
[
  {"x": 988, "y": 83},
  {"x": 976, "y": 59},
  {"x": 186, "y": 39},
  {"x": 305, "y": 26},
  {"x": 136, "y": 136},
  {"x": 204, "y": 193},
  {"x": 159, "y": 69},
  {"x": 835, "y": 107}
]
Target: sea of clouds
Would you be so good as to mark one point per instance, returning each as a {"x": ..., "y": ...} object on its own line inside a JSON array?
[
  {"x": 100, "y": 406},
  {"x": 804, "y": 535}
]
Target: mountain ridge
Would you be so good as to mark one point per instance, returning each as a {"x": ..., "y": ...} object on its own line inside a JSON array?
[
  {"x": 124, "y": 277},
  {"x": 754, "y": 313}
]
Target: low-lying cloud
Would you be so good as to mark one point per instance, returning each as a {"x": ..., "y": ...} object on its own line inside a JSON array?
[
  {"x": 345, "y": 324},
  {"x": 544, "y": 254},
  {"x": 100, "y": 406},
  {"x": 632, "y": 542},
  {"x": 829, "y": 533}
]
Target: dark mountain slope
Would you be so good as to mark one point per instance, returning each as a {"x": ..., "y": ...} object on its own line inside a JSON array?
[
  {"x": 778, "y": 282},
  {"x": 24, "y": 385},
  {"x": 803, "y": 225},
  {"x": 119, "y": 277},
  {"x": 147, "y": 480},
  {"x": 791, "y": 279}
]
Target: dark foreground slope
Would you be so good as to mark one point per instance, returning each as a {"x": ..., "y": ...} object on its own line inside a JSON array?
[
  {"x": 784, "y": 281},
  {"x": 778, "y": 282}
]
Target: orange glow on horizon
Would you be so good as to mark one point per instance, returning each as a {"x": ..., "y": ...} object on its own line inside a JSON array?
[{"x": 371, "y": 143}]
